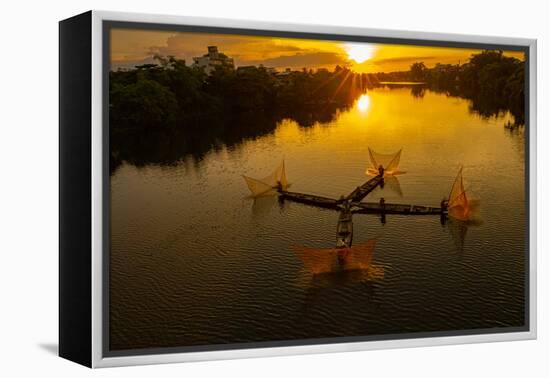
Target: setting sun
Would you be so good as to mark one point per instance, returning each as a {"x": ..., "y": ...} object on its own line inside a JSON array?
[{"x": 359, "y": 52}]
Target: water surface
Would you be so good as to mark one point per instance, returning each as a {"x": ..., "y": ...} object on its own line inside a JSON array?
[{"x": 196, "y": 262}]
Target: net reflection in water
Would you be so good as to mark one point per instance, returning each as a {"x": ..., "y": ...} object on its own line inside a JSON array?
[{"x": 319, "y": 261}]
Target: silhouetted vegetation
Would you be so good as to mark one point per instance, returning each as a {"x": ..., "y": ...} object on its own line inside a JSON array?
[
  {"x": 161, "y": 112},
  {"x": 155, "y": 107},
  {"x": 170, "y": 93},
  {"x": 493, "y": 82}
]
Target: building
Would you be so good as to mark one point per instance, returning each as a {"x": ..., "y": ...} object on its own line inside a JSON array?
[
  {"x": 241, "y": 69},
  {"x": 270, "y": 70},
  {"x": 285, "y": 76},
  {"x": 213, "y": 59}
]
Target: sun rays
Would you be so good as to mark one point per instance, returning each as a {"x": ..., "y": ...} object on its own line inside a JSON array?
[{"x": 359, "y": 52}]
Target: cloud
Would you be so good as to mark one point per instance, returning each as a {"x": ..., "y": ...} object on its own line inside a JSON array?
[
  {"x": 131, "y": 63},
  {"x": 138, "y": 46},
  {"x": 403, "y": 59},
  {"x": 133, "y": 46},
  {"x": 307, "y": 59},
  {"x": 245, "y": 50}
]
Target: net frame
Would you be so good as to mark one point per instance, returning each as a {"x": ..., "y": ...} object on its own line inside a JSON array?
[
  {"x": 459, "y": 206},
  {"x": 268, "y": 184},
  {"x": 390, "y": 163}
]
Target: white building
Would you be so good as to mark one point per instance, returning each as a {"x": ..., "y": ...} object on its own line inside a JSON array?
[{"x": 213, "y": 59}]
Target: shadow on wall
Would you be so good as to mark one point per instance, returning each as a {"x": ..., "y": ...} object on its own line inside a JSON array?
[{"x": 51, "y": 348}]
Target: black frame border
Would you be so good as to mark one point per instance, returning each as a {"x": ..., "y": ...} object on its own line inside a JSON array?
[{"x": 75, "y": 189}]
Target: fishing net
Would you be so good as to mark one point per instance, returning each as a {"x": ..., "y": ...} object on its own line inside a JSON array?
[
  {"x": 274, "y": 177},
  {"x": 359, "y": 257},
  {"x": 257, "y": 187},
  {"x": 390, "y": 162},
  {"x": 316, "y": 260},
  {"x": 325, "y": 260},
  {"x": 459, "y": 207},
  {"x": 268, "y": 184}
]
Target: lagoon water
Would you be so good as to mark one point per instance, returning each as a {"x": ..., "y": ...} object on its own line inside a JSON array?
[{"x": 195, "y": 262}]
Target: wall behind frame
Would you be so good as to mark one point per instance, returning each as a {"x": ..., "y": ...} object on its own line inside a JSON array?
[{"x": 30, "y": 333}]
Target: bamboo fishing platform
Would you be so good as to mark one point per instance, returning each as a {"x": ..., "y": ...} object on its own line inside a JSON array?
[
  {"x": 393, "y": 208},
  {"x": 353, "y": 201},
  {"x": 311, "y": 199},
  {"x": 361, "y": 191}
]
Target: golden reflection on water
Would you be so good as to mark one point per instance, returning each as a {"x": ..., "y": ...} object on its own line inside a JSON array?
[
  {"x": 436, "y": 133},
  {"x": 191, "y": 241},
  {"x": 363, "y": 103}
]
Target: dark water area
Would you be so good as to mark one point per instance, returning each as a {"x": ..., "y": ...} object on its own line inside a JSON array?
[
  {"x": 195, "y": 261},
  {"x": 169, "y": 146}
]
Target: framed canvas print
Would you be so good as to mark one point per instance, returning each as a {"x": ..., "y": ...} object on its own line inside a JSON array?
[{"x": 234, "y": 189}]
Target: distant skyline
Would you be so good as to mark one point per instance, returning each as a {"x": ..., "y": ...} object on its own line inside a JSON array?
[{"x": 131, "y": 47}]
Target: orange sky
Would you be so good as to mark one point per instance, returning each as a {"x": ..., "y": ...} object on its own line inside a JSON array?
[{"x": 130, "y": 47}]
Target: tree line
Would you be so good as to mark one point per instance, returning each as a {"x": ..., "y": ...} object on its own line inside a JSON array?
[
  {"x": 162, "y": 112},
  {"x": 492, "y": 81},
  {"x": 171, "y": 94}
]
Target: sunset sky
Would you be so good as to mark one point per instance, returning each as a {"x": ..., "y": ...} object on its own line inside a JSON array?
[{"x": 133, "y": 47}]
